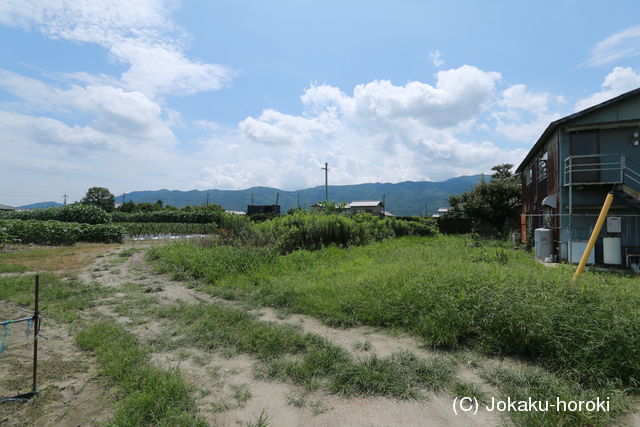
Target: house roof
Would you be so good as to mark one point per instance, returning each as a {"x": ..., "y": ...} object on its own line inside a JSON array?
[
  {"x": 365, "y": 204},
  {"x": 6, "y": 208},
  {"x": 554, "y": 125}
]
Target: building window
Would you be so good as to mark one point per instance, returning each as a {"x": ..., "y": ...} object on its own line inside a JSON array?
[
  {"x": 528, "y": 176},
  {"x": 542, "y": 166}
]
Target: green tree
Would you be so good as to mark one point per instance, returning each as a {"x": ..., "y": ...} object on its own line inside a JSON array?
[
  {"x": 101, "y": 197},
  {"x": 496, "y": 203}
]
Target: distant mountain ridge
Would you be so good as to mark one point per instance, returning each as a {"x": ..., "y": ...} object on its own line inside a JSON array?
[
  {"x": 41, "y": 205},
  {"x": 402, "y": 199}
]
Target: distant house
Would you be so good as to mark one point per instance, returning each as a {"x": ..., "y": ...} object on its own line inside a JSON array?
[
  {"x": 441, "y": 212},
  {"x": 7, "y": 208},
  {"x": 375, "y": 207},
  {"x": 236, "y": 212},
  {"x": 567, "y": 174}
]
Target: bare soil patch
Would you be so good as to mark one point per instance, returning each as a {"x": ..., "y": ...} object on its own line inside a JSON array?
[{"x": 69, "y": 390}]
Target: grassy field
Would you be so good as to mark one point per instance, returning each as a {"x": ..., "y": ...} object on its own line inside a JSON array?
[{"x": 454, "y": 292}]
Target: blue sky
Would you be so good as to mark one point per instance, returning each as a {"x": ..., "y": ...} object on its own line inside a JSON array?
[{"x": 207, "y": 94}]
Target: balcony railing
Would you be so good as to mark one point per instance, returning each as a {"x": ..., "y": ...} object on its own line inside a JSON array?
[{"x": 596, "y": 169}]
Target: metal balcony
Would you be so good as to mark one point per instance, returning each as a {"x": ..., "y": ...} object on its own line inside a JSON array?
[{"x": 600, "y": 169}]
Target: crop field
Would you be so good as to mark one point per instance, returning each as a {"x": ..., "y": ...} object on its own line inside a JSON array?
[{"x": 365, "y": 328}]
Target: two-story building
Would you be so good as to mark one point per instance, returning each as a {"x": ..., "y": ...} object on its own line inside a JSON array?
[{"x": 565, "y": 178}]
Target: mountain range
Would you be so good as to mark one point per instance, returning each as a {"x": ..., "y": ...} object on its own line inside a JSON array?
[{"x": 401, "y": 199}]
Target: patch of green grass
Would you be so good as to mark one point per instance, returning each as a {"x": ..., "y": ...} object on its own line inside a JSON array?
[
  {"x": 297, "y": 400},
  {"x": 241, "y": 394},
  {"x": 469, "y": 389},
  {"x": 12, "y": 268},
  {"x": 262, "y": 421},
  {"x": 526, "y": 382},
  {"x": 61, "y": 299},
  {"x": 149, "y": 395},
  {"x": 402, "y": 375},
  {"x": 363, "y": 346},
  {"x": 128, "y": 252}
]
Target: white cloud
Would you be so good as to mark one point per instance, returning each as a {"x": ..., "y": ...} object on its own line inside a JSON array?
[
  {"x": 436, "y": 58},
  {"x": 138, "y": 33},
  {"x": 381, "y": 132},
  {"x": 273, "y": 127},
  {"x": 617, "y": 82},
  {"x": 620, "y": 45},
  {"x": 522, "y": 114},
  {"x": 459, "y": 95},
  {"x": 114, "y": 111}
]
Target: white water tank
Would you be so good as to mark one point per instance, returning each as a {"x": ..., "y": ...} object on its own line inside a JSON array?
[
  {"x": 543, "y": 238},
  {"x": 612, "y": 252},
  {"x": 577, "y": 249}
]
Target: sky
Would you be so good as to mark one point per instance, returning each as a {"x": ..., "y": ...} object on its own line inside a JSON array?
[{"x": 151, "y": 94}]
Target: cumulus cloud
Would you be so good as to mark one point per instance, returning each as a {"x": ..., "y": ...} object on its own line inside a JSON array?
[
  {"x": 274, "y": 127},
  {"x": 378, "y": 132},
  {"x": 139, "y": 34},
  {"x": 617, "y": 82},
  {"x": 620, "y": 45},
  {"x": 115, "y": 111},
  {"x": 522, "y": 114}
]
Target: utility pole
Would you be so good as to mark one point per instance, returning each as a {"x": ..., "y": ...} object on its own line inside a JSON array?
[
  {"x": 298, "y": 199},
  {"x": 383, "y": 206},
  {"x": 326, "y": 181},
  {"x": 123, "y": 198},
  {"x": 64, "y": 196},
  {"x": 207, "y": 198},
  {"x": 252, "y": 198}
]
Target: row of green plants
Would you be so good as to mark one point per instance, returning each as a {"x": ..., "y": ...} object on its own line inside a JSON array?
[
  {"x": 304, "y": 230},
  {"x": 58, "y": 232},
  {"x": 142, "y": 229},
  {"x": 452, "y": 291},
  {"x": 91, "y": 214},
  {"x": 77, "y": 212},
  {"x": 190, "y": 216}
]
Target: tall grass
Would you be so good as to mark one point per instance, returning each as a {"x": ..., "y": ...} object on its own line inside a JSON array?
[
  {"x": 149, "y": 395},
  {"x": 453, "y": 292},
  {"x": 312, "y": 231}
]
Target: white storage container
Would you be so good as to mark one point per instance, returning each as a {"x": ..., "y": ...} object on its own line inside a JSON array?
[
  {"x": 543, "y": 238},
  {"x": 577, "y": 249},
  {"x": 612, "y": 252}
]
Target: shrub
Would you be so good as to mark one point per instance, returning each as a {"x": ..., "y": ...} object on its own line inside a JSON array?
[
  {"x": 76, "y": 212},
  {"x": 304, "y": 230},
  {"x": 59, "y": 233}
]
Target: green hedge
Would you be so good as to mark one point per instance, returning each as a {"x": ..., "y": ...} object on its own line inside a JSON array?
[
  {"x": 58, "y": 232},
  {"x": 87, "y": 214},
  {"x": 191, "y": 216}
]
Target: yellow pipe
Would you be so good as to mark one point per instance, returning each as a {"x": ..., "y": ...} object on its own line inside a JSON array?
[{"x": 594, "y": 235}]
